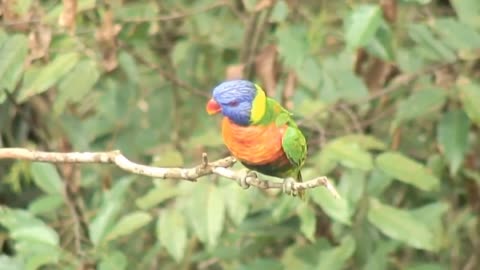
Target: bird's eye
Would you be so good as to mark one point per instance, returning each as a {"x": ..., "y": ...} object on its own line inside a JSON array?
[{"x": 233, "y": 103}]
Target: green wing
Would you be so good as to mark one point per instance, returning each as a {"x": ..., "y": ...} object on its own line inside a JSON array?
[
  {"x": 293, "y": 142},
  {"x": 295, "y": 146}
]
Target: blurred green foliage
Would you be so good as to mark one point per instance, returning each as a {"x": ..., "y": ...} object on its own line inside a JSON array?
[{"x": 387, "y": 92}]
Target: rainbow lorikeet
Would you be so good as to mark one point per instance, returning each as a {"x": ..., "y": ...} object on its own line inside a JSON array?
[{"x": 258, "y": 131}]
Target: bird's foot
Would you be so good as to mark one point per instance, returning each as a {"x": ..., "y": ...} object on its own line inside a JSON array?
[
  {"x": 244, "y": 178},
  {"x": 289, "y": 186}
]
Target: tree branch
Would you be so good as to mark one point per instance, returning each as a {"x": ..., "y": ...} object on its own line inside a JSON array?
[{"x": 219, "y": 167}]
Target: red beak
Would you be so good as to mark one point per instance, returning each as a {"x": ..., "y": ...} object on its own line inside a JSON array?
[{"x": 213, "y": 107}]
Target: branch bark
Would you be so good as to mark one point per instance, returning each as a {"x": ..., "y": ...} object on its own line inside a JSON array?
[{"x": 219, "y": 167}]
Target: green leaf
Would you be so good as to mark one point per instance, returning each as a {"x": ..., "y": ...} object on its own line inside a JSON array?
[
  {"x": 36, "y": 256},
  {"x": 292, "y": 45},
  {"x": 309, "y": 74},
  {"x": 470, "y": 96},
  {"x": 55, "y": 10},
  {"x": 261, "y": 264},
  {"x": 338, "y": 209},
  {"x": 383, "y": 45},
  {"x": 432, "y": 215},
  {"x": 206, "y": 212},
  {"x": 170, "y": 157},
  {"x": 468, "y": 11},
  {"x": 366, "y": 142},
  {"x": 362, "y": 24},
  {"x": 283, "y": 209},
  {"x": 421, "y": 2},
  {"x": 308, "y": 221},
  {"x": 41, "y": 80},
  {"x": 452, "y": 135},
  {"x": 407, "y": 170},
  {"x": 114, "y": 260},
  {"x": 337, "y": 257},
  {"x": 11, "y": 263},
  {"x": 433, "y": 48},
  {"x": 427, "y": 266},
  {"x": 400, "y": 225},
  {"x": 457, "y": 35},
  {"x": 419, "y": 104},
  {"x": 112, "y": 204},
  {"x": 349, "y": 154},
  {"x": 237, "y": 202},
  {"x": 129, "y": 223},
  {"x": 129, "y": 66},
  {"x": 45, "y": 204},
  {"x": 140, "y": 10},
  {"x": 74, "y": 87},
  {"x": 23, "y": 226},
  {"x": 378, "y": 259},
  {"x": 378, "y": 182},
  {"x": 46, "y": 177},
  {"x": 172, "y": 233},
  {"x": 13, "y": 53},
  {"x": 157, "y": 195},
  {"x": 280, "y": 12}
]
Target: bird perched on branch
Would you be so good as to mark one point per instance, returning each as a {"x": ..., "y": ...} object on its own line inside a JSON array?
[{"x": 258, "y": 131}]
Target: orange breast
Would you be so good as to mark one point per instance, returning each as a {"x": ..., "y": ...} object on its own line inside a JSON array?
[{"x": 256, "y": 145}]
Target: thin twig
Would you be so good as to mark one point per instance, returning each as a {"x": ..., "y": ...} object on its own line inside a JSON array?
[{"x": 219, "y": 167}]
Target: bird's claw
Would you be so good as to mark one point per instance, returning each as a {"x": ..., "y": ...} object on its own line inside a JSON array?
[
  {"x": 289, "y": 186},
  {"x": 244, "y": 178}
]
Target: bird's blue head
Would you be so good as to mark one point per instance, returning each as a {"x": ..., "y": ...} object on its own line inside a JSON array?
[{"x": 242, "y": 101}]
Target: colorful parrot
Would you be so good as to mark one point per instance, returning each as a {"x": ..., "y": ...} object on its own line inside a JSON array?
[{"x": 258, "y": 131}]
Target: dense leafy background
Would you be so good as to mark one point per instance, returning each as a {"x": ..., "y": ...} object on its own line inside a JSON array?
[{"x": 388, "y": 93}]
